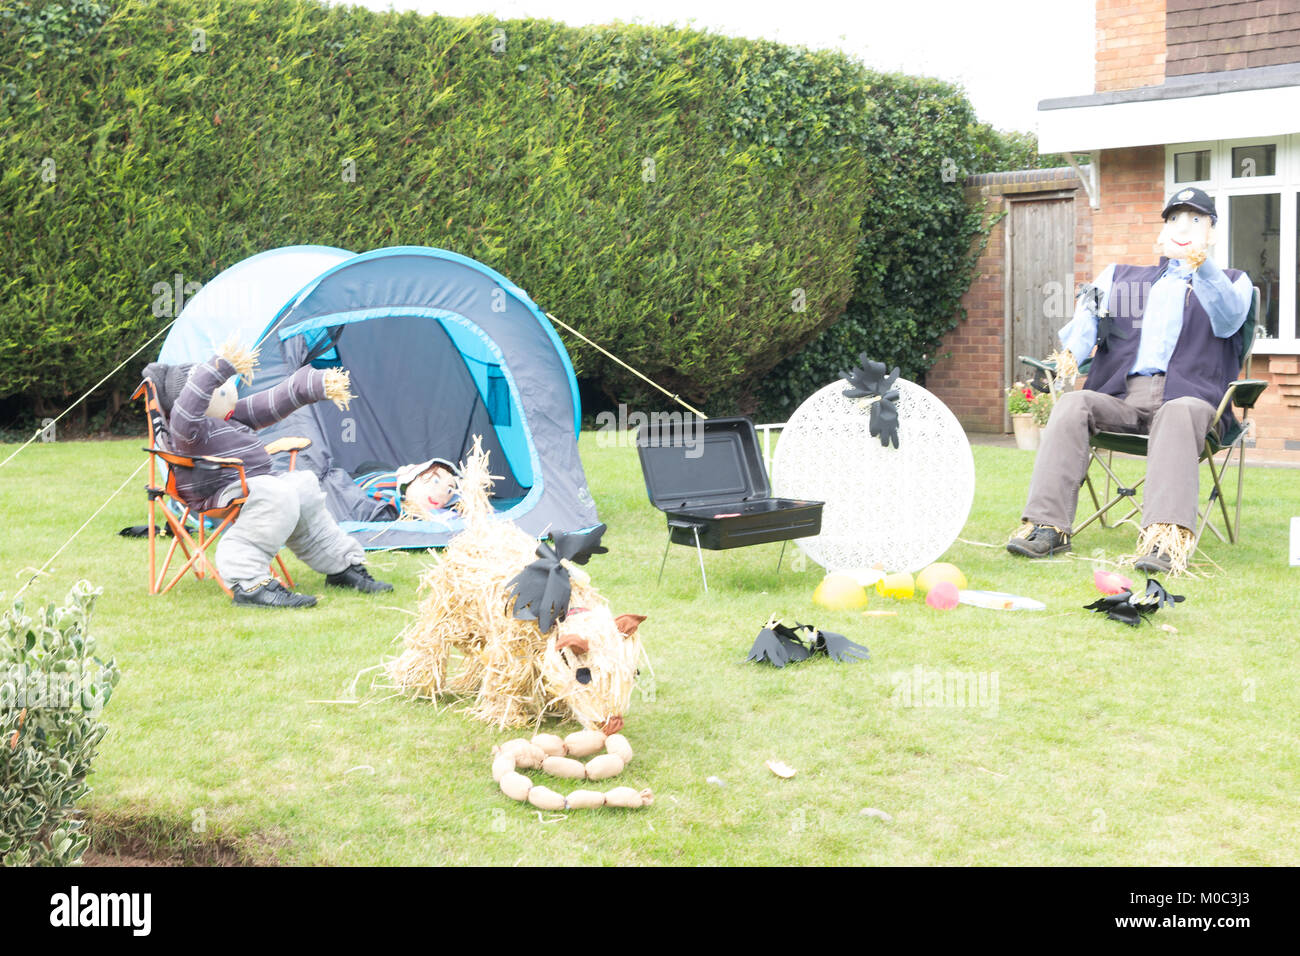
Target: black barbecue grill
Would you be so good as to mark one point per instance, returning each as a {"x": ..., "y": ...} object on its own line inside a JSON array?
[{"x": 707, "y": 476}]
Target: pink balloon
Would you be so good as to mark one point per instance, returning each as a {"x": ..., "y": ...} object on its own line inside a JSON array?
[
  {"x": 1111, "y": 582},
  {"x": 943, "y": 596}
]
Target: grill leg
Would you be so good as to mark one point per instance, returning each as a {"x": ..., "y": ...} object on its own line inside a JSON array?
[
  {"x": 667, "y": 544},
  {"x": 700, "y": 551},
  {"x": 780, "y": 556}
]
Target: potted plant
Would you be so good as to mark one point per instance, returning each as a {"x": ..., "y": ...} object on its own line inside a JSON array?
[{"x": 1020, "y": 403}]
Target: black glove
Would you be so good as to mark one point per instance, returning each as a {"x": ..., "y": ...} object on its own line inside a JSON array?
[
  {"x": 1158, "y": 597},
  {"x": 884, "y": 419},
  {"x": 838, "y": 647},
  {"x": 579, "y": 546},
  {"x": 778, "y": 645},
  {"x": 868, "y": 379}
]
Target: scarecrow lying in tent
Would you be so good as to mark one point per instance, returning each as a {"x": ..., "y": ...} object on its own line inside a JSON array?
[
  {"x": 205, "y": 418},
  {"x": 421, "y": 492}
]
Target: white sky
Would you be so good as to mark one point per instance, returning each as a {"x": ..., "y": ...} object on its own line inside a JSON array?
[{"x": 1008, "y": 54}]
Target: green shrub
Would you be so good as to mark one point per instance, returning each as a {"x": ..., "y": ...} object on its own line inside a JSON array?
[{"x": 52, "y": 692}]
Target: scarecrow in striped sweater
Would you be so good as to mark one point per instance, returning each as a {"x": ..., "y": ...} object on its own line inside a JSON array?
[{"x": 206, "y": 417}]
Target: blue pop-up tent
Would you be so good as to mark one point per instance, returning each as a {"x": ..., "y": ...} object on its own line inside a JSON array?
[{"x": 440, "y": 348}]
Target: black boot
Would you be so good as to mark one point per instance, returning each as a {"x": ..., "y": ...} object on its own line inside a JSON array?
[
  {"x": 1042, "y": 541},
  {"x": 357, "y": 578},
  {"x": 1157, "y": 562},
  {"x": 271, "y": 593}
]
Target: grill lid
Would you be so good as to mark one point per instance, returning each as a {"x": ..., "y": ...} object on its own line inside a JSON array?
[{"x": 690, "y": 462}]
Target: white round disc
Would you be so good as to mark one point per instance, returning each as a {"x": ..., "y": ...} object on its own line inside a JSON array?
[{"x": 900, "y": 507}]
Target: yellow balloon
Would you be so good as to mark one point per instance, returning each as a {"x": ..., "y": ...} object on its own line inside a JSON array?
[
  {"x": 896, "y": 585},
  {"x": 940, "y": 571},
  {"x": 840, "y": 592}
]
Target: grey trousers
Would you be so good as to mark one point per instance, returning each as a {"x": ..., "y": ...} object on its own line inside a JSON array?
[
  {"x": 284, "y": 509},
  {"x": 1177, "y": 431}
]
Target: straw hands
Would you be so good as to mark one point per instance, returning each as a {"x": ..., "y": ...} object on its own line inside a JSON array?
[
  {"x": 338, "y": 383},
  {"x": 243, "y": 359}
]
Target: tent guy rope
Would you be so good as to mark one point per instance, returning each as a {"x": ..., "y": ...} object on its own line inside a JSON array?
[
  {"x": 610, "y": 355},
  {"x": 87, "y": 393}
]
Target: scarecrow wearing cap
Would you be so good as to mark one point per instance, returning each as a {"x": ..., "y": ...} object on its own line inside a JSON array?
[
  {"x": 1167, "y": 340},
  {"x": 207, "y": 418}
]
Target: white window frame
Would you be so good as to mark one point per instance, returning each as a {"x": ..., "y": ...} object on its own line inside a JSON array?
[{"x": 1222, "y": 186}]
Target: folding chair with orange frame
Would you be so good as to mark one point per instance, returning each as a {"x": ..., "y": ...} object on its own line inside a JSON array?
[{"x": 160, "y": 489}]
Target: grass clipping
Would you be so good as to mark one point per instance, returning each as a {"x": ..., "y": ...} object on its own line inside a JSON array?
[{"x": 509, "y": 673}]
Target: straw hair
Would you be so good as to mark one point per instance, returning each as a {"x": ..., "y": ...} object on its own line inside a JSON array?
[
  {"x": 338, "y": 382},
  {"x": 509, "y": 674},
  {"x": 243, "y": 359}
]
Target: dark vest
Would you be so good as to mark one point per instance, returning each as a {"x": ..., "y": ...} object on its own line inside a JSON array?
[{"x": 1202, "y": 364}]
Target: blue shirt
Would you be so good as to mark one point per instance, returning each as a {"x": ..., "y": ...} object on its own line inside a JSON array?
[{"x": 1162, "y": 320}]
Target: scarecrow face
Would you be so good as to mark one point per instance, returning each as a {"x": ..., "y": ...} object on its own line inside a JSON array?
[
  {"x": 223, "y": 400},
  {"x": 429, "y": 491},
  {"x": 1187, "y": 232},
  {"x": 591, "y": 664}
]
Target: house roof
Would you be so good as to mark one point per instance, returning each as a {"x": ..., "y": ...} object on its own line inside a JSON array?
[{"x": 1233, "y": 104}]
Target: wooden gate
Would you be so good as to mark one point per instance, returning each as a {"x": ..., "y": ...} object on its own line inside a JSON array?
[{"x": 1040, "y": 279}]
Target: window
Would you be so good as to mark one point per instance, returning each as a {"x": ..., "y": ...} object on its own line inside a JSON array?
[
  {"x": 1254, "y": 160},
  {"x": 1192, "y": 167},
  {"x": 1256, "y": 187},
  {"x": 1254, "y": 247}
]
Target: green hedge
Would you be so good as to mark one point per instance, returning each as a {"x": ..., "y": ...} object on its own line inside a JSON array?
[
  {"x": 919, "y": 241},
  {"x": 703, "y": 206}
]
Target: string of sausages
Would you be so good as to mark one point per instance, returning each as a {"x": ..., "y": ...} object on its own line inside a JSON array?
[{"x": 558, "y": 756}]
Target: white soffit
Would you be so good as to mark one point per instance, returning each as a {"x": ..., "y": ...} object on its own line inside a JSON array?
[{"x": 1237, "y": 115}]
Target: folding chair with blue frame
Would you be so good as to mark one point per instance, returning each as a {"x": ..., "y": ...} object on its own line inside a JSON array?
[{"x": 1226, "y": 436}]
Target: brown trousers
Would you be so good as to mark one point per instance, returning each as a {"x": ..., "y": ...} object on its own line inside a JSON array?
[{"x": 1177, "y": 431}]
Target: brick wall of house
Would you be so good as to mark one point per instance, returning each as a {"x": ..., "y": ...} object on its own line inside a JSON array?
[
  {"x": 1208, "y": 36},
  {"x": 1126, "y": 225},
  {"x": 971, "y": 379},
  {"x": 1130, "y": 44},
  {"x": 1277, "y": 414}
]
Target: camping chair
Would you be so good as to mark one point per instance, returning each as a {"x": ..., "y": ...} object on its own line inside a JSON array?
[
  {"x": 1243, "y": 392},
  {"x": 216, "y": 519}
]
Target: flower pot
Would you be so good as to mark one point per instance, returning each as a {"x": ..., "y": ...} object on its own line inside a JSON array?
[{"x": 1026, "y": 430}]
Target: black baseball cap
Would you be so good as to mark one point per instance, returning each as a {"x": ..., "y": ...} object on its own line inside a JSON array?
[{"x": 1193, "y": 198}]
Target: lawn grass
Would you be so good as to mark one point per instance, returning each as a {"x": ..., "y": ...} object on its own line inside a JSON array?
[{"x": 1093, "y": 743}]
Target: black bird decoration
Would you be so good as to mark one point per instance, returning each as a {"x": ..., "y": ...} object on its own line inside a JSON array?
[
  {"x": 836, "y": 646},
  {"x": 1130, "y": 608},
  {"x": 541, "y": 590},
  {"x": 579, "y": 546},
  {"x": 777, "y": 644},
  {"x": 870, "y": 380}
]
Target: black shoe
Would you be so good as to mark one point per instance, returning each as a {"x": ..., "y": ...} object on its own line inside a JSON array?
[
  {"x": 357, "y": 578},
  {"x": 271, "y": 594},
  {"x": 1157, "y": 562},
  {"x": 1044, "y": 540}
]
